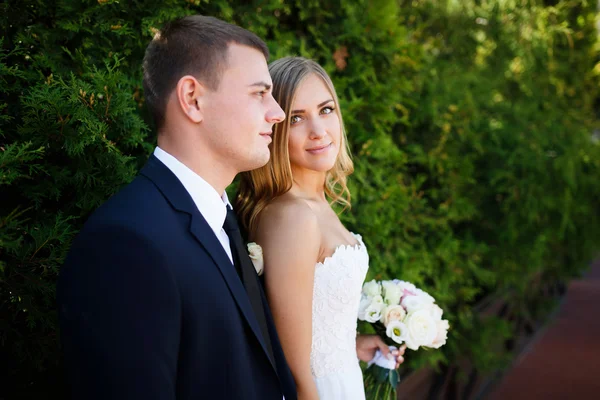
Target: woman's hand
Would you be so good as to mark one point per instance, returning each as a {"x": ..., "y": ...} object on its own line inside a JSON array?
[{"x": 367, "y": 345}]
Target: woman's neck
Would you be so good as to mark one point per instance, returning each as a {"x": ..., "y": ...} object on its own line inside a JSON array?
[{"x": 309, "y": 184}]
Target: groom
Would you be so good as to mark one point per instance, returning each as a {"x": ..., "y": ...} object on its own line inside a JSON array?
[{"x": 157, "y": 298}]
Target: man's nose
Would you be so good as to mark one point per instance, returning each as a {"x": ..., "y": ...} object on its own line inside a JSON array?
[{"x": 275, "y": 114}]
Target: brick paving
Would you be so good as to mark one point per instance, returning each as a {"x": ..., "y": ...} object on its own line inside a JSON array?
[{"x": 564, "y": 361}]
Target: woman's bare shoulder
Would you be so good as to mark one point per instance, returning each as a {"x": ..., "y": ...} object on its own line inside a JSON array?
[{"x": 287, "y": 217}]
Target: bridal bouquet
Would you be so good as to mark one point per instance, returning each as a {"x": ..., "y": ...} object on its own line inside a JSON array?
[{"x": 400, "y": 313}]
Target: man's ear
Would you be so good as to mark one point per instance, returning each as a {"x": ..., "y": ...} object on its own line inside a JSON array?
[{"x": 190, "y": 93}]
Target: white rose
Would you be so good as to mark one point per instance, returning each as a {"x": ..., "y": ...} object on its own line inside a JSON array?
[
  {"x": 378, "y": 300},
  {"x": 373, "y": 312},
  {"x": 425, "y": 295},
  {"x": 414, "y": 303},
  {"x": 397, "y": 331},
  {"x": 256, "y": 255},
  {"x": 442, "y": 334},
  {"x": 410, "y": 343},
  {"x": 406, "y": 287},
  {"x": 393, "y": 313},
  {"x": 436, "y": 312},
  {"x": 422, "y": 329},
  {"x": 372, "y": 288},
  {"x": 392, "y": 293}
]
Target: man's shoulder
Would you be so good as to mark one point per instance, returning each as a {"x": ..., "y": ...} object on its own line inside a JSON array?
[
  {"x": 135, "y": 205},
  {"x": 134, "y": 195}
]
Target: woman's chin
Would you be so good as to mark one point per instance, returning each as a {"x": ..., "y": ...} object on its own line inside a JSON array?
[
  {"x": 322, "y": 165},
  {"x": 325, "y": 167}
]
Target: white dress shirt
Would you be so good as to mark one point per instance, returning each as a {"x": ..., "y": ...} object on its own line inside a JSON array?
[{"x": 211, "y": 205}]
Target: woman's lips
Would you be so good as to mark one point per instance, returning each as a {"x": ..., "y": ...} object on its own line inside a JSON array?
[{"x": 319, "y": 149}]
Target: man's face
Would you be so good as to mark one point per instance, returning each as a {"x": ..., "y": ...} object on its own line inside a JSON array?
[{"x": 240, "y": 114}]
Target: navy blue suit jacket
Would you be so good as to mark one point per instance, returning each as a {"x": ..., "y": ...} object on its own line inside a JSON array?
[{"x": 151, "y": 307}]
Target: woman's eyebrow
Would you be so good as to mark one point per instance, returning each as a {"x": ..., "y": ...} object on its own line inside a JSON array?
[{"x": 318, "y": 106}]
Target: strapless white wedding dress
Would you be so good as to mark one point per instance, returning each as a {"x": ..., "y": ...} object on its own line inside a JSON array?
[{"x": 336, "y": 296}]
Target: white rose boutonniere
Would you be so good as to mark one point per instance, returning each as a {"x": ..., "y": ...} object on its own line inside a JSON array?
[{"x": 256, "y": 255}]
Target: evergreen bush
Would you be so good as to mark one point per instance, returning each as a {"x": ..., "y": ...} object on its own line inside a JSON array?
[{"x": 470, "y": 123}]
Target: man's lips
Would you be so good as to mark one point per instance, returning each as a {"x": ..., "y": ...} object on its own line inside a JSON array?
[{"x": 267, "y": 135}]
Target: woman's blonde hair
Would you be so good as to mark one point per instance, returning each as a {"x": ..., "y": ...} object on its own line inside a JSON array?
[{"x": 259, "y": 187}]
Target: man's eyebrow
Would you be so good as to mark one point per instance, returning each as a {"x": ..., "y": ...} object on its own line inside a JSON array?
[
  {"x": 266, "y": 85},
  {"x": 318, "y": 106}
]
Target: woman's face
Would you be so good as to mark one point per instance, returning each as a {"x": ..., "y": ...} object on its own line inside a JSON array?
[{"x": 315, "y": 131}]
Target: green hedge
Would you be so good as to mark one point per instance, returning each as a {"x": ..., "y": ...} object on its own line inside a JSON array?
[{"x": 470, "y": 124}]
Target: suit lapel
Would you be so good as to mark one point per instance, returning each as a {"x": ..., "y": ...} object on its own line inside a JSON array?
[
  {"x": 179, "y": 198},
  {"x": 211, "y": 244}
]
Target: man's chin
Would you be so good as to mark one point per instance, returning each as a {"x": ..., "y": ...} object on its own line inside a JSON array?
[{"x": 259, "y": 162}]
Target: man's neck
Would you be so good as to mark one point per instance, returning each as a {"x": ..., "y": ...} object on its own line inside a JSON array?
[{"x": 213, "y": 172}]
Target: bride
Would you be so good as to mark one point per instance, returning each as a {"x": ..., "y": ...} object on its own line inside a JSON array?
[{"x": 314, "y": 267}]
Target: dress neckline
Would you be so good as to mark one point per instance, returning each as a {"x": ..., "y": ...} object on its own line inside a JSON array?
[{"x": 343, "y": 247}]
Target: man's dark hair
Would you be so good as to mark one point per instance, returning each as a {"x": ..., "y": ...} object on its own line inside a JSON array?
[{"x": 195, "y": 45}]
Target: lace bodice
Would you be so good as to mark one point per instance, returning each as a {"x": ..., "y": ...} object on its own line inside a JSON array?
[{"x": 336, "y": 296}]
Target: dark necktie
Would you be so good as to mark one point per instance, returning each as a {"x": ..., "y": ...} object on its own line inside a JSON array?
[{"x": 248, "y": 275}]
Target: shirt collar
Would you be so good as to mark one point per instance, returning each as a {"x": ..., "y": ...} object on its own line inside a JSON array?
[{"x": 211, "y": 205}]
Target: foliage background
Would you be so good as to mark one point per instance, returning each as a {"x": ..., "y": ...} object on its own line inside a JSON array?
[{"x": 470, "y": 122}]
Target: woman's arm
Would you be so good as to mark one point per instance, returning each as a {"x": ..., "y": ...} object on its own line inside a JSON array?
[{"x": 290, "y": 237}]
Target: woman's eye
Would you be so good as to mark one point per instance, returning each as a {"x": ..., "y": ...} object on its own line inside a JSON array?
[
  {"x": 327, "y": 110},
  {"x": 295, "y": 119},
  {"x": 262, "y": 93}
]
